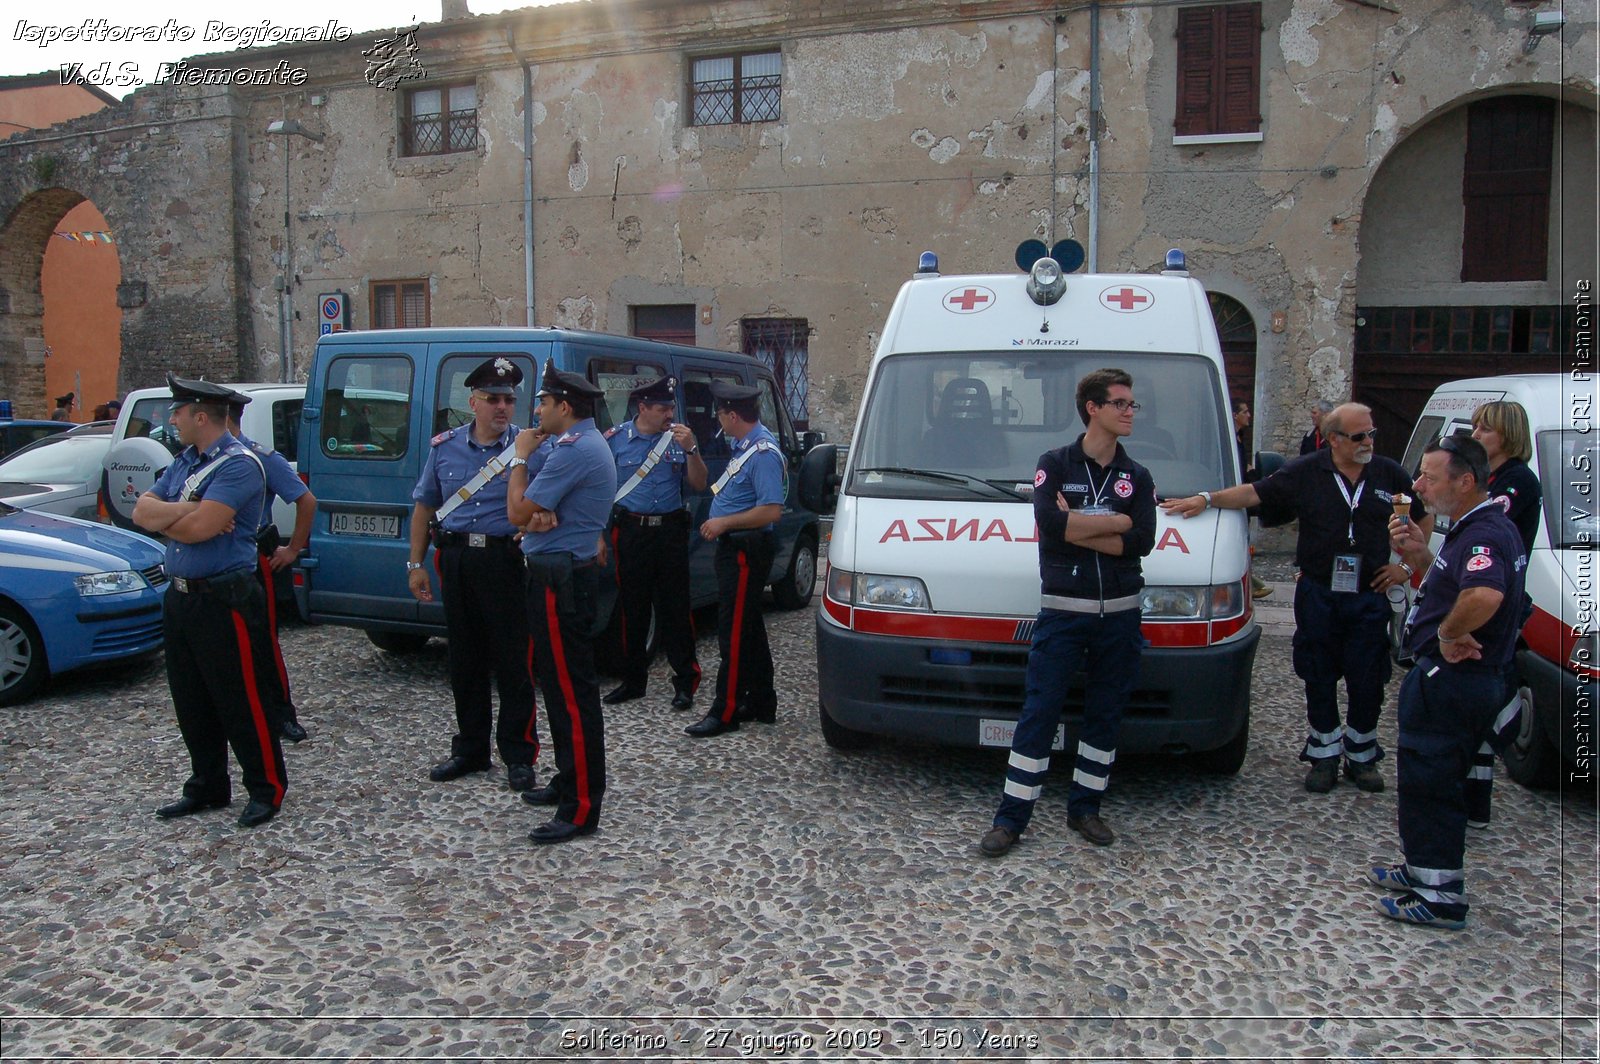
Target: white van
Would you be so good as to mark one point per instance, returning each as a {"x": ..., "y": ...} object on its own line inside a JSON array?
[
  {"x": 1556, "y": 656},
  {"x": 933, "y": 578}
]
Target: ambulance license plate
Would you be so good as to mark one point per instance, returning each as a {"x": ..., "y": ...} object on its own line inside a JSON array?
[
  {"x": 374, "y": 526},
  {"x": 999, "y": 733}
]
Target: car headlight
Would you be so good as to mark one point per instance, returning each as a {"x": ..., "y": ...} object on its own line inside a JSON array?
[
  {"x": 871, "y": 589},
  {"x": 110, "y": 583},
  {"x": 1215, "y": 602}
]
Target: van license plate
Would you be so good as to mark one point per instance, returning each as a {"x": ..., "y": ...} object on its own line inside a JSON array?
[
  {"x": 377, "y": 526},
  {"x": 999, "y": 733}
]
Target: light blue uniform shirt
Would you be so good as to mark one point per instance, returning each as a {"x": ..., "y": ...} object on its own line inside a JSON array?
[
  {"x": 454, "y": 459},
  {"x": 576, "y": 481},
  {"x": 661, "y": 491},
  {"x": 281, "y": 480},
  {"x": 238, "y": 485},
  {"x": 761, "y": 481}
]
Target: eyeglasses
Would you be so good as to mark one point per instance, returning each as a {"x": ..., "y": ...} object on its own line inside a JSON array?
[
  {"x": 1357, "y": 437},
  {"x": 1123, "y": 405},
  {"x": 497, "y": 400}
]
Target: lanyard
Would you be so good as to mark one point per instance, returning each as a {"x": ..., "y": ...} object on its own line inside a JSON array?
[
  {"x": 1089, "y": 472},
  {"x": 1353, "y": 501}
]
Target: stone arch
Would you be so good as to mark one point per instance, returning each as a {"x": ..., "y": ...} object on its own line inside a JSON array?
[
  {"x": 23, "y": 240},
  {"x": 1236, "y": 329}
]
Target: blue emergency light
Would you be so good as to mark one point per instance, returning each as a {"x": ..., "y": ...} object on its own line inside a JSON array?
[
  {"x": 5, "y": 409},
  {"x": 927, "y": 265},
  {"x": 1176, "y": 263}
]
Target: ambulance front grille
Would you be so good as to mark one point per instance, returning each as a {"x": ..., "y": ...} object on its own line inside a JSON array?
[{"x": 1000, "y": 697}]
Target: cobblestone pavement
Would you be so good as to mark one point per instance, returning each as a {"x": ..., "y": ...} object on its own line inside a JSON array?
[{"x": 754, "y": 896}]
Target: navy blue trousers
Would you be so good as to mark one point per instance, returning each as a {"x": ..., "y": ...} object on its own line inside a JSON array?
[{"x": 1346, "y": 636}]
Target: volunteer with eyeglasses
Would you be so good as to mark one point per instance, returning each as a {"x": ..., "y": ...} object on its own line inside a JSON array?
[{"x": 1343, "y": 496}]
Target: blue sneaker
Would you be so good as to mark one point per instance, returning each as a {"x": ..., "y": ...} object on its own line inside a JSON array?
[
  {"x": 1411, "y": 909},
  {"x": 1390, "y": 877}
]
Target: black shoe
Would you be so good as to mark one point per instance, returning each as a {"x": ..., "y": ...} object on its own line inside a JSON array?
[
  {"x": 1364, "y": 774},
  {"x": 256, "y": 814},
  {"x": 455, "y": 768},
  {"x": 521, "y": 778},
  {"x": 1091, "y": 827},
  {"x": 292, "y": 731},
  {"x": 766, "y": 713},
  {"x": 710, "y": 725},
  {"x": 996, "y": 841},
  {"x": 559, "y": 831},
  {"x": 1324, "y": 775},
  {"x": 682, "y": 696},
  {"x": 625, "y": 693},
  {"x": 187, "y": 806},
  {"x": 546, "y": 795}
]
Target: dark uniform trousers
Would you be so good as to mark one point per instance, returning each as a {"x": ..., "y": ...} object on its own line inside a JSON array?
[
  {"x": 211, "y": 640},
  {"x": 1445, "y": 713},
  {"x": 653, "y": 572},
  {"x": 561, "y": 614},
  {"x": 486, "y": 618},
  {"x": 1343, "y": 634},
  {"x": 744, "y": 676},
  {"x": 271, "y": 674}
]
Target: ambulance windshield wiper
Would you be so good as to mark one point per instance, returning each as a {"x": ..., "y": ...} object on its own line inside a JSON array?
[{"x": 940, "y": 474}]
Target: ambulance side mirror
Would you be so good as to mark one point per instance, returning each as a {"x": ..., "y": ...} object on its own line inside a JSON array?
[
  {"x": 819, "y": 479},
  {"x": 809, "y": 441}
]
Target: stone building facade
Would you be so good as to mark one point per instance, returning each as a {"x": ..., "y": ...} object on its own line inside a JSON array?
[{"x": 1327, "y": 178}]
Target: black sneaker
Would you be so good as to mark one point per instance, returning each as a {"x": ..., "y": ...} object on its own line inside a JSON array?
[{"x": 1324, "y": 775}]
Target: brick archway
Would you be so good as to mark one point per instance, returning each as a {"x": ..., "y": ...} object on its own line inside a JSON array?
[{"x": 23, "y": 241}]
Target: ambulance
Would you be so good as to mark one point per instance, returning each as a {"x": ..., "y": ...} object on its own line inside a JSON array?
[
  {"x": 1556, "y": 655},
  {"x": 933, "y": 570}
]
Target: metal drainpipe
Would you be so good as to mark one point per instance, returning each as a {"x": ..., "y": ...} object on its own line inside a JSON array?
[
  {"x": 286, "y": 303},
  {"x": 527, "y": 176},
  {"x": 1094, "y": 137}
]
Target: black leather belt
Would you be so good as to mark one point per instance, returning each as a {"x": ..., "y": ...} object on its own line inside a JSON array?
[
  {"x": 474, "y": 539},
  {"x": 194, "y": 585},
  {"x": 588, "y": 563},
  {"x": 671, "y": 517}
]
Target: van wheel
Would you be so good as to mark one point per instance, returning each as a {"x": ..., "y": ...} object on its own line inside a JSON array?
[
  {"x": 1225, "y": 760},
  {"x": 399, "y": 643},
  {"x": 1531, "y": 759},
  {"x": 794, "y": 591},
  {"x": 837, "y": 735},
  {"x": 23, "y": 666}
]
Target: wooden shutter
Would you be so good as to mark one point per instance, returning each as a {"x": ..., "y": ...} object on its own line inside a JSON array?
[
  {"x": 1506, "y": 189},
  {"x": 1196, "y": 70},
  {"x": 1219, "y": 70},
  {"x": 1240, "y": 105}
]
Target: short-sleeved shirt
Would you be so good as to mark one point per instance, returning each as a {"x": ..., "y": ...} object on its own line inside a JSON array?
[
  {"x": 661, "y": 491},
  {"x": 239, "y": 485},
  {"x": 761, "y": 481},
  {"x": 282, "y": 481},
  {"x": 455, "y": 458},
  {"x": 1309, "y": 486},
  {"x": 1482, "y": 549},
  {"x": 576, "y": 481},
  {"x": 1516, "y": 489}
]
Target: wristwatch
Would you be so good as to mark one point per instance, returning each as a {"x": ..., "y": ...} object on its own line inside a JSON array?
[
  {"x": 1206, "y": 495},
  {"x": 410, "y": 566},
  {"x": 695, "y": 449},
  {"x": 516, "y": 462}
]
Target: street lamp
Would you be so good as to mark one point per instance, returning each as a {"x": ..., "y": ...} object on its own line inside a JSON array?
[{"x": 287, "y": 127}]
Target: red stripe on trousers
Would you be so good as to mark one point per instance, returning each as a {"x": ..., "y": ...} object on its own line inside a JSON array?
[
  {"x": 264, "y": 570},
  {"x": 580, "y": 764},
  {"x": 248, "y": 665},
  {"x": 733, "y": 642}
]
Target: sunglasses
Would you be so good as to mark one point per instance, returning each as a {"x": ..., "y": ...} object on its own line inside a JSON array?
[
  {"x": 1357, "y": 437},
  {"x": 497, "y": 400}
]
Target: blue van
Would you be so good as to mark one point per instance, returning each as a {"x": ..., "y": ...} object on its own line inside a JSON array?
[{"x": 374, "y": 400}]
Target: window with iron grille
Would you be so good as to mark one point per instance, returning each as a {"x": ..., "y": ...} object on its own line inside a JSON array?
[
  {"x": 399, "y": 304},
  {"x": 441, "y": 119},
  {"x": 783, "y": 344},
  {"x": 1219, "y": 70},
  {"x": 726, "y": 89}
]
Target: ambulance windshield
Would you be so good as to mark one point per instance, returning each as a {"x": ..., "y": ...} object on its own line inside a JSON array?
[
  {"x": 1567, "y": 459},
  {"x": 988, "y": 417}
]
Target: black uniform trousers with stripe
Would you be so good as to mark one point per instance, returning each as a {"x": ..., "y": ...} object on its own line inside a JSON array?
[
  {"x": 653, "y": 575},
  {"x": 211, "y": 641},
  {"x": 486, "y": 618},
  {"x": 561, "y": 614},
  {"x": 272, "y": 675},
  {"x": 744, "y": 676}
]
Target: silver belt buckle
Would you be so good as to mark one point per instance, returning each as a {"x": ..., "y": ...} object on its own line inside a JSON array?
[
  {"x": 181, "y": 584},
  {"x": 477, "y": 539},
  {"x": 653, "y": 521}
]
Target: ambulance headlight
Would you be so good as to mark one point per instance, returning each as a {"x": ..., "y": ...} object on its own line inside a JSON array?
[
  {"x": 1173, "y": 603},
  {"x": 891, "y": 592},
  {"x": 1227, "y": 600},
  {"x": 1046, "y": 282}
]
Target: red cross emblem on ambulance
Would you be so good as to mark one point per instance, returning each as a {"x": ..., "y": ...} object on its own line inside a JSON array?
[
  {"x": 1127, "y": 299},
  {"x": 974, "y": 299}
]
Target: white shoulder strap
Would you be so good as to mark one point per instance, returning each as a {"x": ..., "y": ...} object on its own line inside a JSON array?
[
  {"x": 738, "y": 464},
  {"x": 649, "y": 463}
]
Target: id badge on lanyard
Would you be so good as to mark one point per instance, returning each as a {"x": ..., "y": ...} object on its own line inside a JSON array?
[
  {"x": 1346, "y": 575},
  {"x": 1096, "y": 508}
]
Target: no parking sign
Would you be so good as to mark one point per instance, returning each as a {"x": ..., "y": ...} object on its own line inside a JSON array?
[{"x": 333, "y": 313}]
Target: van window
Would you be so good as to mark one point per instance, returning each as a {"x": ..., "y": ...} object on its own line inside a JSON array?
[
  {"x": 776, "y": 418},
  {"x": 366, "y": 407},
  {"x": 150, "y": 417},
  {"x": 451, "y": 407},
  {"x": 617, "y": 377},
  {"x": 1567, "y": 460},
  {"x": 1426, "y": 434},
  {"x": 988, "y": 418},
  {"x": 700, "y": 413},
  {"x": 286, "y": 427}
]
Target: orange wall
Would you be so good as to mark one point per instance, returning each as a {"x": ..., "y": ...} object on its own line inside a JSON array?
[
  {"x": 38, "y": 106},
  {"x": 82, "y": 323}
]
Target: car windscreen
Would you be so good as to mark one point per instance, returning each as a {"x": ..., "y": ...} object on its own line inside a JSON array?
[
  {"x": 973, "y": 425},
  {"x": 64, "y": 460},
  {"x": 1567, "y": 459},
  {"x": 152, "y": 417}
]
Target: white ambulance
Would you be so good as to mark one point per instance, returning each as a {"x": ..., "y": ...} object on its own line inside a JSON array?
[
  {"x": 933, "y": 567},
  {"x": 1556, "y": 656}
]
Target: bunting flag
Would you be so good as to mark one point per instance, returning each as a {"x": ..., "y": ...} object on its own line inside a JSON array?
[{"x": 86, "y": 237}]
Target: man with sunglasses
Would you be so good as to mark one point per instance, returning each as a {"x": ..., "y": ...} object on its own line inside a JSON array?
[
  {"x": 1343, "y": 495},
  {"x": 479, "y": 568}
]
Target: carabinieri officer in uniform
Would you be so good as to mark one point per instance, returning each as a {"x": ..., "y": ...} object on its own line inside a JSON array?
[
  {"x": 208, "y": 504},
  {"x": 650, "y": 536},
  {"x": 480, "y": 575},
  {"x": 749, "y": 501},
  {"x": 563, "y": 514}
]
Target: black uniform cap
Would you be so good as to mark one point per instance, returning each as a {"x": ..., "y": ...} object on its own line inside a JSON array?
[
  {"x": 187, "y": 391},
  {"x": 496, "y": 376},
  {"x": 559, "y": 384},
  {"x": 733, "y": 394},
  {"x": 660, "y": 390}
]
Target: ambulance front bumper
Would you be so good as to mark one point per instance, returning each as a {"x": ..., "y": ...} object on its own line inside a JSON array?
[{"x": 1186, "y": 699}]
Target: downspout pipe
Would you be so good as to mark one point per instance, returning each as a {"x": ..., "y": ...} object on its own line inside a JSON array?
[
  {"x": 1094, "y": 136},
  {"x": 527, "y": 177}
]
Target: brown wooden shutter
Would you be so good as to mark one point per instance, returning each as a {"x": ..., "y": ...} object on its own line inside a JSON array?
[
  {"x": 1240, "y": 69},
  {"x": 1197, "y": 56},
  {"x": 1219, "y": 69},
  {"x": 1506, "y": 189}
]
